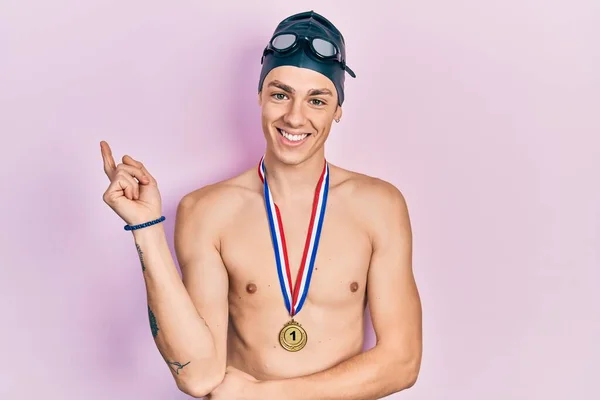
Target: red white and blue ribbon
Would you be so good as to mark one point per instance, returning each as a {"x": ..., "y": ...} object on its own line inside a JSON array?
[{"x": 295, "y": 295}]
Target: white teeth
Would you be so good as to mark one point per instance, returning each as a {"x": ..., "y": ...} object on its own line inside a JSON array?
[{"x": 293, "y": 138}]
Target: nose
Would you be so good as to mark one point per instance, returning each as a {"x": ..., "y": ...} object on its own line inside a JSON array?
[{"x": 294, "y": 117}]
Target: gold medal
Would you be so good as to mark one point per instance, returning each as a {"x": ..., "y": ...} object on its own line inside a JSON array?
[{"x": 292, "y": 336}]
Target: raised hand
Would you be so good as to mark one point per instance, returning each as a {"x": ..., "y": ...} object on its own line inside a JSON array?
[{"x": 133, "y": 192}]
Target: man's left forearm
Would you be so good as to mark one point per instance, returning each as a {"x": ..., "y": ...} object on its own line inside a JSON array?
[{"x": 370, "y": 375}]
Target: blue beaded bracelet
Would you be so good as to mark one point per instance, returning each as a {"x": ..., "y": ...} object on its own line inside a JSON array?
[{"x": 144, "y": 225}]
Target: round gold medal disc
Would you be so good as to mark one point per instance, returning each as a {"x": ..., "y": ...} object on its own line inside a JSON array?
[{"x": 292, "y": 336}]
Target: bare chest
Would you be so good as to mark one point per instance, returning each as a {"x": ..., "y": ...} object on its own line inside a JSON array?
[{"x": 338, "y": 276}]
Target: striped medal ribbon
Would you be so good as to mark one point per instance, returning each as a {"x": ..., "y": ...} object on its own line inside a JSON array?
[{"x": 293, "y": 336}]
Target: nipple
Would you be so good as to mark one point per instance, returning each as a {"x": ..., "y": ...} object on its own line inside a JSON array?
[{"x": 251, "y": 288}]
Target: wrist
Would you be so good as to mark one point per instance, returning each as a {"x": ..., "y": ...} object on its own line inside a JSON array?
[{"x": 149, "y": 233}]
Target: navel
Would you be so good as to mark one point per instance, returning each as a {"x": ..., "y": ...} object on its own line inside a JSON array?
[
  {"x": 251, "y": 288},
  {"x": 354, "y": 287}
]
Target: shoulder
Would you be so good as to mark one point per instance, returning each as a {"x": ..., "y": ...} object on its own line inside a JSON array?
[
  {"x": 379, "y": 203},
  {"x": 214, "y": 205},
  {"x": 375, "y": 195}
]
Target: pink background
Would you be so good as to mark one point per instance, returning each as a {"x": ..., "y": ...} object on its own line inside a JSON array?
[{"x": 484, "y": 114}]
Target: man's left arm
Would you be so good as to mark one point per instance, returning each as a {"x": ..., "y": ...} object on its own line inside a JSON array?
[{"x": 393, "y": 364}]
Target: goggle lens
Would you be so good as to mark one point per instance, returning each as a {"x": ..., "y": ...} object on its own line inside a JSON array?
[
  {"x": 283, "y": 42},
  {"x": 286, "y": 40},
  {"x": 324, "y": 48}
]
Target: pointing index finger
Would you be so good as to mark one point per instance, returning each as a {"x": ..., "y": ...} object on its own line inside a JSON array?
[{"x": 109, "y": 162}]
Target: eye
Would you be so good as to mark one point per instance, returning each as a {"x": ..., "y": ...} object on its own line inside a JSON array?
[
  {"x": 317, "y": 102},
  {"x": 278, "y": 96}
]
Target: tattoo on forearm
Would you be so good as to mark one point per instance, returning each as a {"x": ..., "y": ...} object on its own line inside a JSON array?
[
  {"x": 153, "y": 324},
  {"x": 178, "y": 365},
  {"x": 141, "y": 255}
]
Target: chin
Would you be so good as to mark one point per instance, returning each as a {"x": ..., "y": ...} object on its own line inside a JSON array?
[{"x": 290, "y": 157}]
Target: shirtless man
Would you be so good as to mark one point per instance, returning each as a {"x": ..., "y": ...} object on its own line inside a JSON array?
[{"x": 236, "y": 326}]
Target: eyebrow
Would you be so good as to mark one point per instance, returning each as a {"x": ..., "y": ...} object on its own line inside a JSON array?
[
  {"x": 319, "y": 92},
  {"x": 289, "y": 89},
  {"x": 282, "y": 86}
]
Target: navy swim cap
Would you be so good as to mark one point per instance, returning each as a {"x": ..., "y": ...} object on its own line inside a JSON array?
[{"x": 308, "y": 40}]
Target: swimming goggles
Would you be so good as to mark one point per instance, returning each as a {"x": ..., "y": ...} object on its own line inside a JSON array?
[{"x": 288, "y": 43}]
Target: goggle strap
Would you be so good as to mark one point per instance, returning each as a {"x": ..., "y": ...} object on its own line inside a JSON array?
[{"x": 347, "y": 69}]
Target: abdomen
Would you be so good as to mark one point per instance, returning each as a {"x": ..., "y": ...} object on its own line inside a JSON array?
[{"x": 333, "y": 336}]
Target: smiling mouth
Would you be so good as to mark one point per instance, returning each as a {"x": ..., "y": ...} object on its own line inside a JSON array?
[{"x": 292, "y": 138}]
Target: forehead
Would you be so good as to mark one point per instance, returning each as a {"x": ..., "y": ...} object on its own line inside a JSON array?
[{"x": 301, "y": 79}]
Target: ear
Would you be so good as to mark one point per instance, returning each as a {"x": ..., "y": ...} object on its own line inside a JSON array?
[
  {"x": 338, "y": 113},
  {"x": 259, "y": 98}
]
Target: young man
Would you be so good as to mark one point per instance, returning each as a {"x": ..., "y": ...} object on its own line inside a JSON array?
[{"x": 279, "y": 262}]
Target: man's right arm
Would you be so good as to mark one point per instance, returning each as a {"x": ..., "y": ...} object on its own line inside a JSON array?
[{"x": 188, "y": 318}]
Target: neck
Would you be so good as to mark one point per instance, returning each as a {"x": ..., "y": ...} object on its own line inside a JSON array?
[{"x": 288, "y": 181}]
